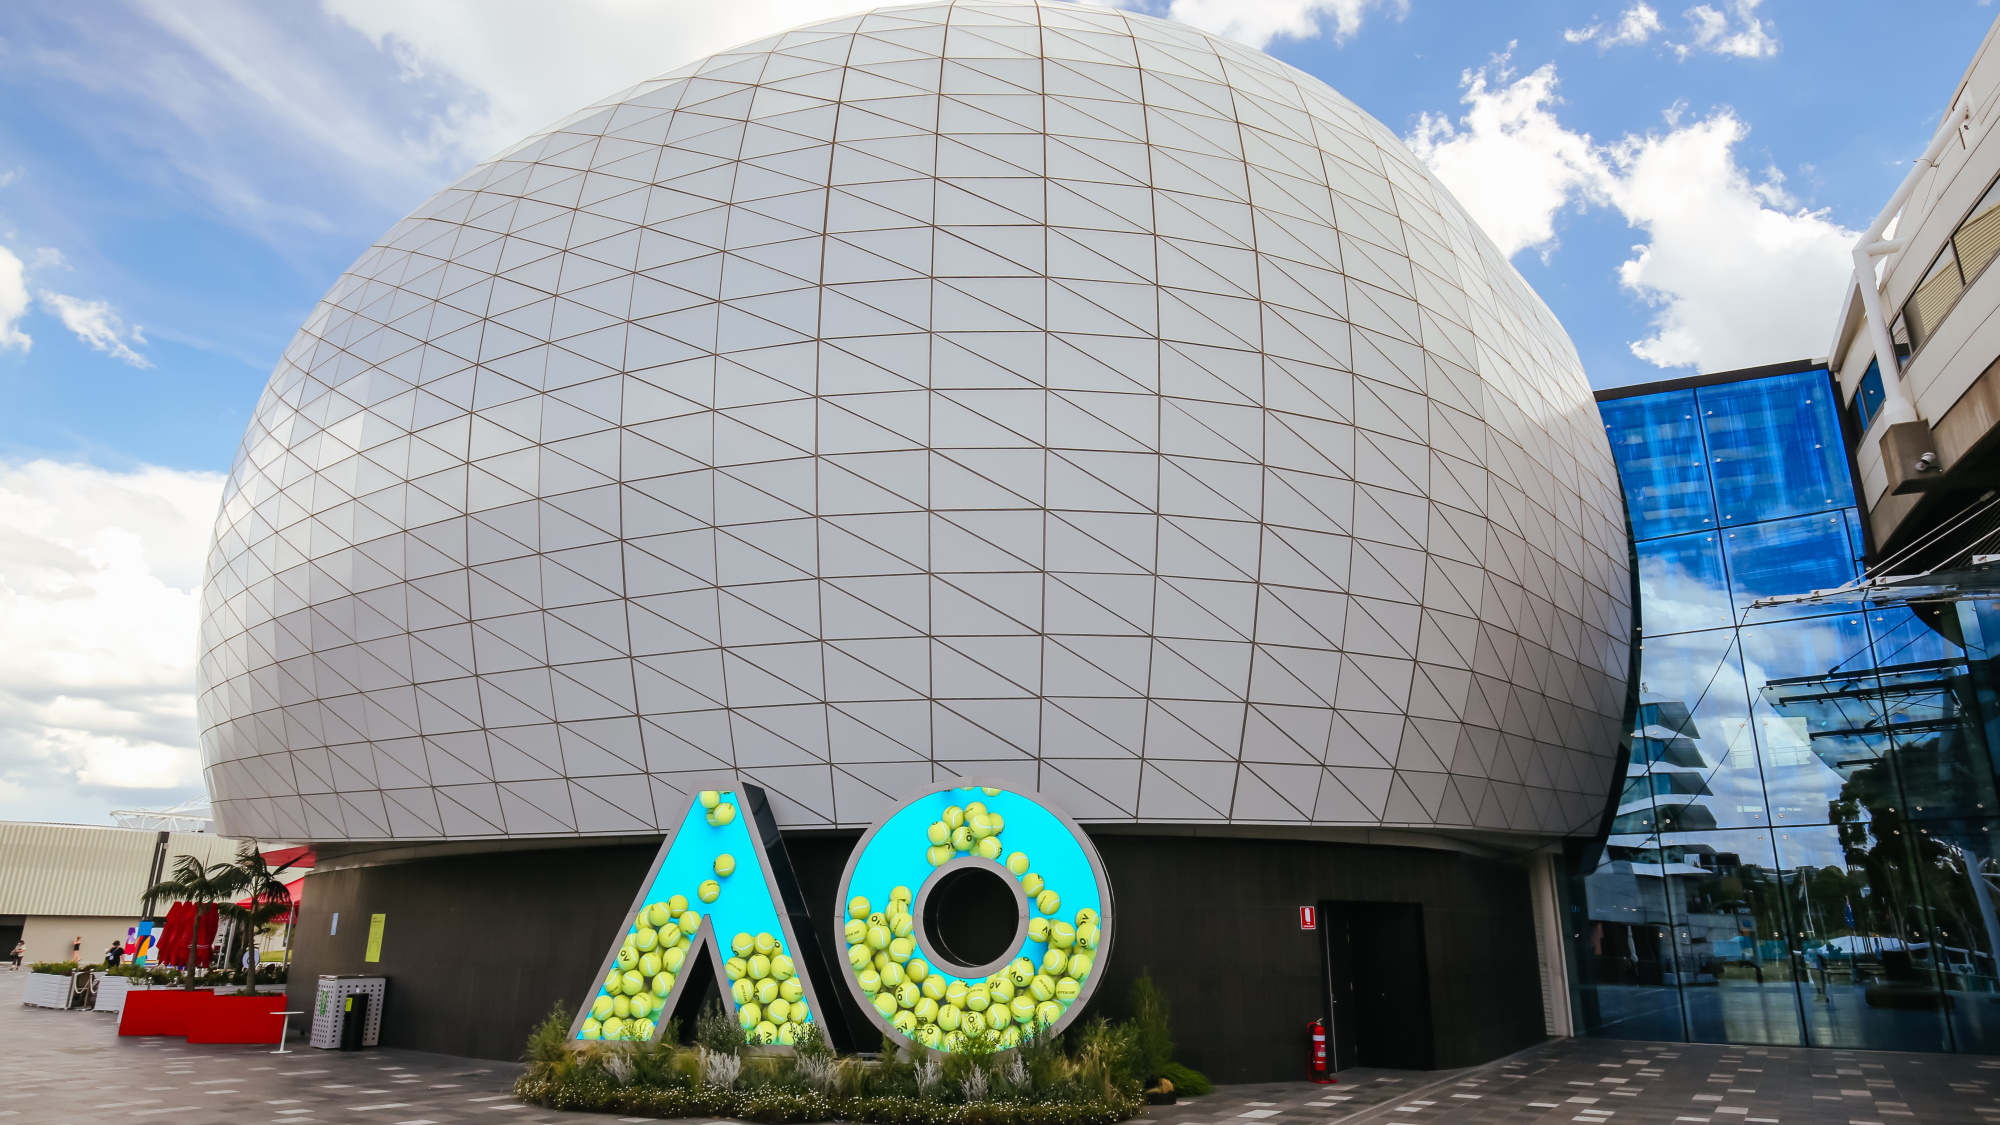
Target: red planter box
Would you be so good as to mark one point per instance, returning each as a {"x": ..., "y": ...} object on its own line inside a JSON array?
[
  {"x": 161, "y": 1011},
  {"x": 239, "y": 1019}
]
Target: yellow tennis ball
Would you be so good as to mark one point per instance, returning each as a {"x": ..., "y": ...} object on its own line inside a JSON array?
[
  {"x": 736, "y": 968},
  {"x": 741, "y": 945},
  {"x": 859, "y": 956},
  {"x": 645, "y": 938},
  {"x": 765, "y": 943},
  {"x": 690, "y": 921},
  {"x": 749, "y": 1016},
  {"x": 663, "y": 983},
  {"x": 767, "y": 990},
  {"x": 677, "y": 906},
  {"x": 743, "y": 991},
  {"x": 907, "y": 995},
  {"x": 878, "y": 937},
  {"x": 901, "y": 894},
  {"x": 880, "y": 960},
  {"x": 855, "y": 931},
  {"x": 917, "y": 969},
  {"x": 904, "y": 1022},
  {"x": 1086, "y": 915},
  {"x": 954, "y": 817},
  {"x": 799, "y": 1012},
  {"x": 1061, "y": 935},
  {"x": 857, "y": 907},
  {"x": 939, "y": 856},
  {"x": 614, "y": 981},
  {"x": 954, "y": 1042},
  {"x": 759, "y": 967},
  {"x": 725, "y": 865},
  {"x": 788, "y": 1033},
  {"x": 1054, "y": 962},
  {"x": 1022, "y": 1008},
  {"x": 885, "y": 1004},
  {"x": 1067, "y": 989},
  {"x": 791, "y": 989},
  {"x": 709, "y": 891},
  {"x": 990, "y": 792},
  {"x": 999, "y": 822},
  {"x": 976, "y": 808},
  {"x": 1018, "y": 863},
  {"x": 1079, "y": 965},
  {"x": 1001, "y": 989},
  {"x": 627, "y": 957},
  {"x": 902, "y": 925},
  {"x": 948, "y": 1017},
  {"x": 782, "y": 967},
  {"x": 871, "y": 981},
  {"x": 1086, "y": 935},
  {"x": 938, "y": 832},
  {"x": 1043, "y": 987},
  {"x": 989, "y": 848},
  {"x": 980, "y": 826},
  {"x": 955, "y": 993},
  {"x": 1021, "y": 971},
  {"x": 961, "y": 838},
  {"x": 722, "y": 814},
  {"x": 900, "y": 949},
  {"x": 614, "y": 1028},
  {"x": 673, "y": 959},
  {"x": 1048, "y": 1012},
  {"x": 649, "y": 964},
  {"x": 591, "y": 1029},
  {"x": 977, "y": 998},
  {"x": 933, "y": 986},
  {"x": 1031, "y": 884},
  {"x": 710, "y": 798},
  {"x": 973, "y": 1023},
  {"x": 1038, "y": 929},
  {"x": 656, "y": 915},
  {"x": 928, "y": 1035},
  {"x": 778, "y": 1009},
  {"x": 892, "y": 975},
  {"x": 621, "y": 1006},
  {"x": 601, "y": 1007},
  {"x": 640, "y": 1004},
  {"x": 766, "y": 1032},
  {"x": 632, "y": 982}
]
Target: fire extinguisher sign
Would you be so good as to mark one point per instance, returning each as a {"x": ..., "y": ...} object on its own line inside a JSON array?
[{"x": 1308, "y": 917}]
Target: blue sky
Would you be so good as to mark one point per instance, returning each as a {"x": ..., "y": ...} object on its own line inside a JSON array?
[{"x": 180, "y": 183}]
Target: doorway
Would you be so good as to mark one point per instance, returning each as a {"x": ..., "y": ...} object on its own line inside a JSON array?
[{"x": 1378, "y": 984}]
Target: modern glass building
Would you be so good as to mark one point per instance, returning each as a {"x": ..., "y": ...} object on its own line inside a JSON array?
[{"x": 1803, "y": 850}]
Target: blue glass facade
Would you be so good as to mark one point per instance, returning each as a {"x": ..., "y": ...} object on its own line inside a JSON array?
[{"x": 1801, "y": 852}]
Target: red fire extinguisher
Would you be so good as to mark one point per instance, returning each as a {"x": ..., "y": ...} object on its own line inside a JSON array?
[{"x": 1318, "y": 1070}]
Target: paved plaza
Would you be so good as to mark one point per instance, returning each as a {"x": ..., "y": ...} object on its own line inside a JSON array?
[{"x": 70, "y": 1068}]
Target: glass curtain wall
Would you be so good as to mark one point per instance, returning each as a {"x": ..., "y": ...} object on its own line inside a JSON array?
[{"x": 1802, "y": 850}]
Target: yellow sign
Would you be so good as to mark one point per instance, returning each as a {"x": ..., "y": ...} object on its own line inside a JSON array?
[{"x": 375, "y": 922}]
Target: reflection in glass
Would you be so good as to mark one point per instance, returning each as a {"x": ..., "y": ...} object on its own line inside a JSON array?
[
  {"x": 1682, "y": 583},
  {"x": 1694, "y": 727},
  {"x": 1662, "y": 463},
  {"x": 1788, "y": 556},
  {"x": 1774, "y": 448}
]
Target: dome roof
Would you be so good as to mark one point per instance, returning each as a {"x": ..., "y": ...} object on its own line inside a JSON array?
[{"x": 1038, "y": 392}]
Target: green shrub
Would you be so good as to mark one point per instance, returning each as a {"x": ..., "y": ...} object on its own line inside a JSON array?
[
  {"x": 1187, "y": 1080},
  {"x": 1152, "y": 1028},
  {"x": 59, "y": 968}
]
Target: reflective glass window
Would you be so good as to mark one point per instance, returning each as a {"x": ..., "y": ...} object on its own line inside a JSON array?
[
  {"x": 1868, "y": 396},
  {"x": 1656, "y": 440},
  {"x": 1693, "y": 722},
  {"x": 1682, "y": 584},
  {"x": 1789, "y": 556},
  {"x": 1774, "y": 447}
]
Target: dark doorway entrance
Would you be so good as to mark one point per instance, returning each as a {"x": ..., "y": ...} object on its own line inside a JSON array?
[{"x": 1378, "y": 984}]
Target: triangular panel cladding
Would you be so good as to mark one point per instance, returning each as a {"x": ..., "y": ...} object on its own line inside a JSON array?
[{"x": 1017, "y": 389}]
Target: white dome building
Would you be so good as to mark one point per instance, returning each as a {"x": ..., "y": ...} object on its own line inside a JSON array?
[{"x": 1032, "y": 391}]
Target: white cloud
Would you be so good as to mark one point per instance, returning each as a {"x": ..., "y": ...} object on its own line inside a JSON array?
[
  {"x": 1509, "y": 160},
  {"x": 1733, "y": 29},
  {"x": 1635, "y": 25},
  {"x": 99, "y": 579},
  {"x": 13, "y": 301},
  {"x": 1257, "y": 22},
  {"x": 1736, "y": 271},
  {"x": 95, "y": 324}
]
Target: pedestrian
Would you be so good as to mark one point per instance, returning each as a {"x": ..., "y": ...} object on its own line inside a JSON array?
[
  {"x": 20, "y": 952},
  {"x": 76, "y": 949},
  {"x": 114, "y": 954}
]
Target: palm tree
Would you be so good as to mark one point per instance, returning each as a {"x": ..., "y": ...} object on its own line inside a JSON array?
[
  {"x": 269, "y": 899},
  {"x": 199, "y": 886}
]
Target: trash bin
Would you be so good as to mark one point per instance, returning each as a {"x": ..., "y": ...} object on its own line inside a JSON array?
[{"x": 339, "y": 1025}]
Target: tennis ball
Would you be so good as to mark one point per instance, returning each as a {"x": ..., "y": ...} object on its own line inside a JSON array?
[
  {"x": 765, "y": 943},
  {"x": 645, "y": 1029},
  {"x": 673, "y": 959},
  {"x": 600, "y": 1008},
  {"x": 743, "y": 991},
  {"x": 1054, "y": 962},
  {"x": 710, "y": 798},
  {"x": 1018, "y": 863},
  {"x": 621, "y": 1006},
  {"x": 632, "y": 982},
  {"x": 1079, "y": 965},
  {"x": 614, "y": 981},
  {"x": 1047, "y": 1012},
  {"x": 1038, "y": 929},
  {"x": 885, "y": 1004},
  {"x": 777, "y": 1009},
  {"x": 657, "y": 916},
  {"x": 1031, "y": 884},
  {"x": 961, "y": 838},
  {"x": 903, "y": 1022},
  {"x": 1086, "y": 915},
  {"x": 767, "y": 990},
  {"x": 948, "y": 1017},
  {"x": 799, "y": 1013},
  {"x": 977, "y": 998},
  {"x": 871, "y": 981},
  {"x": 999, "y": 822},
  {"x": 980, "y": 826},
  {"x": 933, "y": 987},
  {"x": 1010, "y": 1038},
  {"x": 954, "y": 817},
  {"x": 900, "y": 949},
  {"x": 614, "y": 1028},
  {"x": 857, "y": 907},
  {"x": 1086, "y": 935},
  {"x": 722, "y": 814},
  {"x": 1021, "y": 971},
  {"x": 859, "y": 956},
  {"x": 782, "y": 967},
  {"x": 925, "y": 1009},
  {"x": 989, "y": 848},
  {"x": 892, "y": 975},
  {"x": 677, "y": 905},
  {"x": 766, "y": 1032},
  {"x": 973, "y": 1023},
  {"x": 749, "y": 1016},
  {"x": 663, "y": 983},
  {"x": 878, "y": 937},
  {"x": 740, "y": 945},
  {"x": 640, "y": 1004},
  {"x": 1061, "y": 935},
  {"x": 1002, "y": 990},
  {"x": 1022, "y": 1008},
  {"x": 1043, "y": 987},
  {"x": 627, "y": 957},
  {"x": 907, "y": 995},
  {"x": 938, "y": 832},
  {"x": 917, "y": 969},
  {"x": 990, "y": 792},
  {"x": 649, "y": 964},
  {"x": 645, "y": 938},
  {"x": 788, "y": 1033},
  {"x": 954, "y": 1042},
  {"x": 690, "y": 922},
  {"x": 759, "y": 967},
  {"x": 901, "y": 894},
  {"x": 736, "y": 968},
  {"x": 591, "y": 1029},
  {"x": 902, "y": 925},
  {"x": 954, "y": 993},
  {"x": 939, "y": 856},
  {"x": 855, "y": 931},
  {"x": 879, "y": 918},
  {"x": 880, "y": 960},
  {"x": 1067, "y": 990},
  {"x": 976, "y": 808},
  {"x": 927, "y": 1034},
  {"x": 709, "y": 891},
  {"x": 725, "y": 865}
]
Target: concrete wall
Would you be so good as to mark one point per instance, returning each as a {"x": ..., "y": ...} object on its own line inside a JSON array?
[
  {"x": 478, "y": 947},
  {"x": 49, "y": 935}
]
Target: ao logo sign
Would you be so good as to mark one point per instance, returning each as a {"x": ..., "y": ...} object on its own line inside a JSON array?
[{"x": 927, "y": 959}]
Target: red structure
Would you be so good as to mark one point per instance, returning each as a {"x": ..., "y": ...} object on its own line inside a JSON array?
[{"x": 203, "y": 1016}]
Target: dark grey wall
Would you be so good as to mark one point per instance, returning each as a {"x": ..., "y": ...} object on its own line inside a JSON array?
[{"x": 479, "y": 947}]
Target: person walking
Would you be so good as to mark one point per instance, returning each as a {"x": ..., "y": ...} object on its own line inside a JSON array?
[
  {"x": 76, "y": 949},
  {"x": 20, "y": 952},
  {"x": 114, "y": 954}
]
